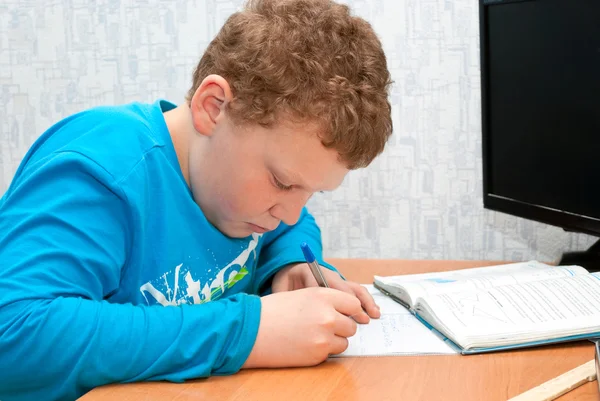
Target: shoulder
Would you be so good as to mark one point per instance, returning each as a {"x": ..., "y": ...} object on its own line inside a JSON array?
[{"x": 116, "y": 138}]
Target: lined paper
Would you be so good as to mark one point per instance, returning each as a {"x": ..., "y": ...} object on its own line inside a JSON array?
[{"x": 397, "y": 332}]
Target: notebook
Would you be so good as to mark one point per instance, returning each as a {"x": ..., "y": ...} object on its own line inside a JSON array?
[
  {"x": 502, "y": 307},
  {"x": 396, "y": 332}
]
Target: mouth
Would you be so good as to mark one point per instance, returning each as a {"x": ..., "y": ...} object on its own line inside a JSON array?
[{"x": 258, "y": 229}]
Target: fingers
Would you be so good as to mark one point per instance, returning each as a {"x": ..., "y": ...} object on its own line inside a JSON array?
[
  {"x": 344, "y": 327},
  {"x": 341, "y": 285},
  {"x": 366, "y": 300},
  {"x": 361, "y": 318},
  {"x": 343, "y": 302},
  {"x": 339, "y": 344},
  {"x": 370, "y": 308}
]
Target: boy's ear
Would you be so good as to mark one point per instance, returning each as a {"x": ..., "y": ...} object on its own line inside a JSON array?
[{"x": 208, "y": 103}]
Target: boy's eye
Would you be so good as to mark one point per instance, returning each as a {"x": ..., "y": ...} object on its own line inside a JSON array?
[{"x": 280, "y": 185}]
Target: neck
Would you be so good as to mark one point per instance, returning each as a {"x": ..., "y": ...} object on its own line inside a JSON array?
[{"x": 178, "y": 122}]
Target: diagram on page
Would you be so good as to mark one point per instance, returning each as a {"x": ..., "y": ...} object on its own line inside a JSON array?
[{"x": 477, "y": 309}]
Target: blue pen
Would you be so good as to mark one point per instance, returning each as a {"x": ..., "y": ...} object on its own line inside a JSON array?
[{"x": 314, "y": 266}]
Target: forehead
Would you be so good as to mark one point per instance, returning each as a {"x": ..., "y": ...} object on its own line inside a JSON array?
[{"x": 296, "y": 151}]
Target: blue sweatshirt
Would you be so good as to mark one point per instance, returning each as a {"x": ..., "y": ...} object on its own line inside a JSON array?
[{"x": 109, "y": 272}]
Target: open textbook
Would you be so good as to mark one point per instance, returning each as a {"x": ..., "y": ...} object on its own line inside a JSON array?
[
  {"x": 502, "y": 307},
  {"x": 396, "y": 332}
]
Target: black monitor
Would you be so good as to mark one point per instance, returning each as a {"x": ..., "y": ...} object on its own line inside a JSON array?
[{"x": 540, "y": 85}]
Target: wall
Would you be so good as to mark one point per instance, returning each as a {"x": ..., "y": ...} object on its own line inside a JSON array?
[{"x": 421, "y": 199}]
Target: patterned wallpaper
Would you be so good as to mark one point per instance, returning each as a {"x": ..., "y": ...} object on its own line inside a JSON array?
[{"x": 421, "y": 199}]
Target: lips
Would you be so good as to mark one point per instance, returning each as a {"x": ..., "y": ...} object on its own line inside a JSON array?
[{"x": 258, "y": 229}]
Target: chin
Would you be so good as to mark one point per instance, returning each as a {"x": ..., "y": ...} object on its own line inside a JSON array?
[{"x": 236, "y": 232}]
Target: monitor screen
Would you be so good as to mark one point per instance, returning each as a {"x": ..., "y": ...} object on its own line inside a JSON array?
[{"x": 540, "y": 62}]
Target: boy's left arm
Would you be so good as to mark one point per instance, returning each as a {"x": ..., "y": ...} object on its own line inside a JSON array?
[{"x": 282, "y": 267}]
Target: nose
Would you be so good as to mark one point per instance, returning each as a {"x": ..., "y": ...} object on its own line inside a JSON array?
[{"x": 290, "y": 206}]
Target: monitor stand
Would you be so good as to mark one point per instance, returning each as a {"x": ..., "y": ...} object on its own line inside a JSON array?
[{"x": 589, "y": 259}]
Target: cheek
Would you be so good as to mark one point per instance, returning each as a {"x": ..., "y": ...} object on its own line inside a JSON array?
[{"x": 246, "y": 197}]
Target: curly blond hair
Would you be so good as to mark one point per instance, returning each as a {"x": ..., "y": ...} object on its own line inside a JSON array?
[{"x": 308, "y": 61}]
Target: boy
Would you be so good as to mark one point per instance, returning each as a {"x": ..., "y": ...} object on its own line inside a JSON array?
[{"x": 155, "y": 242}]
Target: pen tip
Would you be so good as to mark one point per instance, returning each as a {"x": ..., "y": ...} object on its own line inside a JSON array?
[{"x": 308, "y": 255}]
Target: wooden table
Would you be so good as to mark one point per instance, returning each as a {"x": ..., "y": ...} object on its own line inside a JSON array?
[{"x": 487, "y": 377}]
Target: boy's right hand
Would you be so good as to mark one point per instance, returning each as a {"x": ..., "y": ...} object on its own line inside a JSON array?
[{"x": 303, "y": 327}]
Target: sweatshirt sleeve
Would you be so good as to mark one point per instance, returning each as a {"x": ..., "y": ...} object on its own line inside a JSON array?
[
  {"x": 64, "y": 236},
  {"x": 282, "y": 247}
]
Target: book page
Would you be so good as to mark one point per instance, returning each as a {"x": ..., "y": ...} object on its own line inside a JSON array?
[
  {"x": 461, "y": 274},
  {"x": 397, "y": 332},
  {"x": 531, "y": 310},
  {"x": 423, "y": 285}
]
